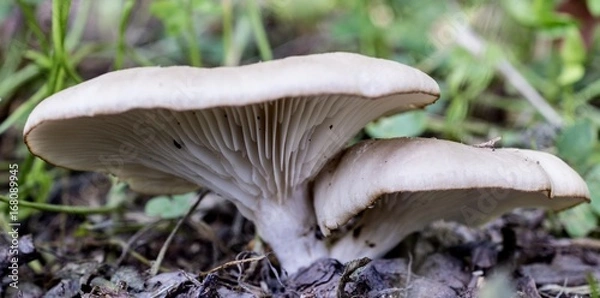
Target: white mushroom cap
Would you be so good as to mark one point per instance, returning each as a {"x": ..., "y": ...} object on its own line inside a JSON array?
[
  {"x": 104, "y": 124},
  {"x": 254, "y": 134},
  {"x": 403, "y": 184}
]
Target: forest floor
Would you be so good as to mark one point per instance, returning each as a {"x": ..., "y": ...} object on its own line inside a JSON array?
[{"x": 215, "y": 254}]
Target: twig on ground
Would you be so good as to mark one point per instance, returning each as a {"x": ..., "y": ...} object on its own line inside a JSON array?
[
  {"x": 140, "y": 258},
  {"x": 409, "y": 269},
  {"x": 349, "y": 268},
  {"x": 587, "y": 243},
  {"x": 488, "y": 144},
  {"x": 132, "y": 239},
  {"x": 560, "y": 290},
  {"x": 163, "y": 250},
  {"x": 233, "y": 263}
]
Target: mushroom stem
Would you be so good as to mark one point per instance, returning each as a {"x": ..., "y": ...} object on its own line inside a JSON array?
[{"x": 291, "y": 228}]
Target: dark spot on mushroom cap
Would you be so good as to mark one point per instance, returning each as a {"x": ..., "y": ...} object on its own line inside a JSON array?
[
  {"x": 318, "y": 234},
  {"x": 369, "y": 244},
  {"x": 331, "y": 126},
  {"x": 177, "y": 144},
  {"x": 356, "y": 231}
]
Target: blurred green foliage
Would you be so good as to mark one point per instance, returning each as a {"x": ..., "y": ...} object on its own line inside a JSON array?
[
  {"x": 46, "y": 46},
  {"x": 410, "y": 124},
  {"x": 594, "y": 6},
  {"x": 594, "y": 286},
  {"x": 169, "y": 207}
]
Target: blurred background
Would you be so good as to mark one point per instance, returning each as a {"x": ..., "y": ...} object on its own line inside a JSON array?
[{"x": 527, "y": 71}]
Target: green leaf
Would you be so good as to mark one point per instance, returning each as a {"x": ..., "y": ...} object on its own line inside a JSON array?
[
  {"x": 573, "y": 55},
  {"x": 169, "y": 207},
  {"x": 457, "y": 110},
  {"x": 6, "y": 7},
  {"x": 570, "y": 74},
  {"x": 594, "y": 7},
  {"x": 573, "y": 47},
  {"x": 594, "y": 285},
  {"x": 171, "y": 13},
  {"x": 579, "y": 221},
  {"x": 593, "y": 181},
  {"x": 39, "y": 181},
  {"x": 174, "y": 13},
  {"x": 544, "y": 11},
  {"x": 300, "y": 11},
  {"x": 459, "y": 75},
  {"x": 409, "y": 124},
  {"x": 538, "y": 13},
  {"x": 522, "y": 11},
  {"x": 576, "y": 142}
]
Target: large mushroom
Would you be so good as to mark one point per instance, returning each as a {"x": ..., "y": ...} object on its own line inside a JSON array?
[
  {"x": 255, "y": 134},
  {"x": 398, "y": 186}
]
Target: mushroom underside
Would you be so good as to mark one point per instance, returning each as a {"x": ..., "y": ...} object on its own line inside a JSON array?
[
  {"x": 394, "y": 216},
  {"x": 258, "y": 151}
]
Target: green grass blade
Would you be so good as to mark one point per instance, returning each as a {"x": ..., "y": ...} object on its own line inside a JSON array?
[
  {"x": 121, "y": 45},
  {"x": 259, "y": 30}
]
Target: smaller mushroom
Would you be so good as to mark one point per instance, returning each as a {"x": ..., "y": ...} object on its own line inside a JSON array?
[{"x": 398, "y": 186}]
